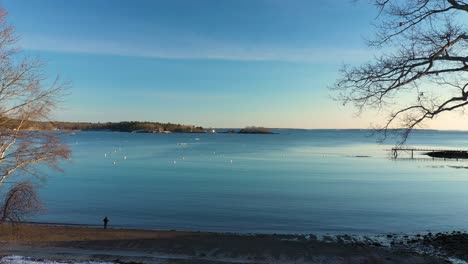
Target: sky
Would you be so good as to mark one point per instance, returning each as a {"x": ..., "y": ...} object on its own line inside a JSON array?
[{"x": 214, "y": 63}]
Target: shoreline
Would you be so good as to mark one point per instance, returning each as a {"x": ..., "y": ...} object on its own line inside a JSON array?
[
  {"x": 85, "y": 243},
  {"x": 319, "y": 233},
  {"x": 316, "y": 233}
]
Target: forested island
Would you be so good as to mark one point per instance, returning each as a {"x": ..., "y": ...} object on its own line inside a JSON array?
[
  {"x": 126, "y": 126},
  {"x": 131, "y": 126},
  {"x": 250, "y": 130}
]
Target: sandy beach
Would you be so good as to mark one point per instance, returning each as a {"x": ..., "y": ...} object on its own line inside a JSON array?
[{"x": 79, "y": 243}]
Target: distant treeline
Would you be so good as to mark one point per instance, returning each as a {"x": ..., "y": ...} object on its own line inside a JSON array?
[
  {"x": 127, "y": 126},
  {"x": 255, "y": 130},
  {"x": 131, "y": 126},
  {"x": 250, "y": 130}
]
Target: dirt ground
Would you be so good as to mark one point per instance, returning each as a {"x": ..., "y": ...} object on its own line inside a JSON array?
[{"x": 146, "y": 246}]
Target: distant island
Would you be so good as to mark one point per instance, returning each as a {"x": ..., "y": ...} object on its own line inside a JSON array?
[
  {"x": 131, "y": 126},
  {"x": 125, "y": 126},
  {"x": 250, "y": 130}
]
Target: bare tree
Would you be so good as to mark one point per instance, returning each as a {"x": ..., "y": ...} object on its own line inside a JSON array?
[
  {"x": 26, "y": 96},
  {"x": 423, "y": 70},
  {"x": 20, "y": 201}
]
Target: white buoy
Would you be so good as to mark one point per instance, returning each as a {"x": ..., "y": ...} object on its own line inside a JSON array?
[
  {"x": 105, "y": 155},
  {"x": 183, "y": 158},
  {"x": 114, "y": 162},
  {"x": 231, "y": 161},
  {"x": 175, "y": 162},
  {"x": 125, "y": 157}
]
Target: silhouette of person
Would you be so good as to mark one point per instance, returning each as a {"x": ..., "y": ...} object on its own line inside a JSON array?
[{"x": 105, "y": 220}]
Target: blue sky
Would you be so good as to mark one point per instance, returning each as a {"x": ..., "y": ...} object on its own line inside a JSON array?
[{"x": 215, "y": 63}]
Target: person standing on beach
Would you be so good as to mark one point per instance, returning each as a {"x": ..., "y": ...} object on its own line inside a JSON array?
[{"x": 105, "y": 220}]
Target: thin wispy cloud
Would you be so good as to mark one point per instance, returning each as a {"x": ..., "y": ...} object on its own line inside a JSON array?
[
  {"x": 206, "y": 50},
  {"x": 192, "y": 96}
]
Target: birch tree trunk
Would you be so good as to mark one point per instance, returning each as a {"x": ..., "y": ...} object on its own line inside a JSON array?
[{"x": 26, "y": 95}]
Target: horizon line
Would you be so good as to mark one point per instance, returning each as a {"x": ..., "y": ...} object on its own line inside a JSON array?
[{"x": 290, "y": 128}]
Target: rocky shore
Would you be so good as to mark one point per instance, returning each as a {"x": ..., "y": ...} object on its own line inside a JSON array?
[{"x": 77, "y": 244}]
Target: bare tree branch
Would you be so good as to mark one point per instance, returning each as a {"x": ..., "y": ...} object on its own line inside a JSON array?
[
  {"x": 20, "y": 201},
  {"x": 26, "y": 96},
  {"x": 424, "y": 72}
]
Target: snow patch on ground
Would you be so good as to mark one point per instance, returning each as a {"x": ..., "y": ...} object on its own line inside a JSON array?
[{"x": 25, "y": 260}]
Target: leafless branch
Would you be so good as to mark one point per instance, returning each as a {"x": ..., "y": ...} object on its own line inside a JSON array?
[
  {"x": 424, "y": 71},
  {"x": 20, "y": 201},
  {"x": 27, "y": 95}
]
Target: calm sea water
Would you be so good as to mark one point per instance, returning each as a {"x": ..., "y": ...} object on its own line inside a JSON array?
[{"x": 297, "y": 181}]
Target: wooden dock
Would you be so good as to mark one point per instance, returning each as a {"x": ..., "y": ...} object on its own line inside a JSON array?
[{"x": 411, "y": 150}]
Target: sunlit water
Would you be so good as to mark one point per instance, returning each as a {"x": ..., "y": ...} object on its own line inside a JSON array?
[{"x": 296, "y": 181}]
